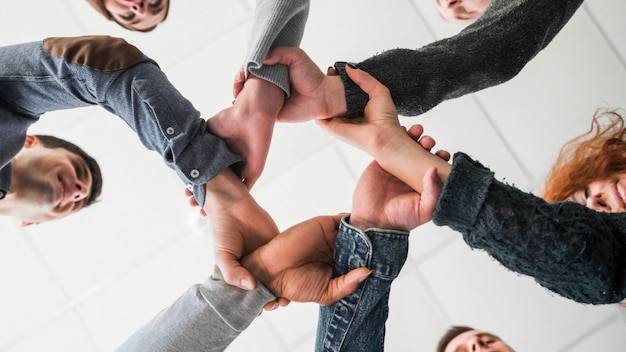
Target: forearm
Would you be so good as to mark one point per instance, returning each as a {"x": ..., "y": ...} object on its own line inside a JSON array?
[
  {"x": 202, "y": 319},
  {"x": 568, "y": 248},
  {"x": 404, "y": 158},
  {"x": 489, "y": 52},
  {"x": 276, "y": 23},
  {"x": 366, "y": 310}
]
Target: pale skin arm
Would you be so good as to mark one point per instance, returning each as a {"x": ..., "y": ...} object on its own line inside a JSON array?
[
  {"x": 314, "y": 95},
  {"x": 380, "y": 134},
  {"x": 239, "y": 226},
  {"x": 248, "y": 125}
]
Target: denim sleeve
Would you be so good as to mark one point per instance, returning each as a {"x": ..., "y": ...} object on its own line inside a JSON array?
[
  {"x": 276, "y": 23},
  {"x": 207, "y": 317},
  {"x": 357, "y": 322}
]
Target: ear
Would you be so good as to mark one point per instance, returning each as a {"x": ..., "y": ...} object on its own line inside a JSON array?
[
  {"x": 26, "y": 223},
  {"x": 31, "y": 141}
]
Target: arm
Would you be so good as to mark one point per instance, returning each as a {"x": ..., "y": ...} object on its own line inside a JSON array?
[
  {"x": 247, "y": 127},
  {"x": 488, "y": 52},
  {"x": 567, "y": 248},
  {"x": 375, "y": 236},
  {"x": 572, "y": 250},
  {"x": 203, "y": 318}
]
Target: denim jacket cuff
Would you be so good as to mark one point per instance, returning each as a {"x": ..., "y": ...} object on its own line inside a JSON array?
[{"x": 384, "y": 251}]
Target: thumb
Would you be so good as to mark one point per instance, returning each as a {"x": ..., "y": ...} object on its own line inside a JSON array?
[
  {"x": 283, "y": 55},
  {"x": 234, "y": 274},
  {"x": 336, "y": 126},
  {"x": 344, "y": 285},
  {"x": 432, "y": 185}
]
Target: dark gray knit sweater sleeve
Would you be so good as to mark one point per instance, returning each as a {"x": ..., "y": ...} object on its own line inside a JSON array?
[
  {"x": 490, "y": 51},
  {"x": 569, "y": 249}
]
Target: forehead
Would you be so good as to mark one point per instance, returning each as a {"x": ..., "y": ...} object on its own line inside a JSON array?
[{"x": 462, "y": 338}]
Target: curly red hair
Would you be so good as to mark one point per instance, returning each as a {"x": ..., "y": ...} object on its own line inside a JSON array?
[{"x": 597, "y": 154}]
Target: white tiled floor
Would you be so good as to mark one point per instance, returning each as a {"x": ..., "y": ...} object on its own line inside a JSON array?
[{"x": 87, "y": 282}]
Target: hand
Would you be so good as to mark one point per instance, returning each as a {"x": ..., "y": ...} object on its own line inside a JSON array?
[
  {"x": 248, "y": 125},
  {"x": 381, "y": 200},
  {"x": 313, "y": 94},
  {"x": 380, "y": 124},
  {"x": 380, "y": 134},
  {"x": 298, "y": 263},
  {"x": 239, "y": 226}
]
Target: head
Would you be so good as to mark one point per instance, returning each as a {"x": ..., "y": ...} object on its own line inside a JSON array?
[
  {"x": 135, "y": 15},
  {"x": 462, "y": 11},
  {"x": 466, "y": 339},
  {"x": 50, "y": 179},
  {"x": 591, "y": 168}
]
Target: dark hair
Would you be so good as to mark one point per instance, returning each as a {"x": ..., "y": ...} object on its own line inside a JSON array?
[
  {"x": 99, "y": 6},
  {"x": 450, "y": 335},
  {"x": 96, "y": 175}
]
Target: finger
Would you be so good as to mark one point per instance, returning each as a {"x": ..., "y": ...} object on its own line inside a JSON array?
[
  {"x": 432, "y": 189},
  {"x": 270, "y": 306},
  {"x": 336, "y": 126},
  {"x": 331, "y": 71},
  {"x": 443, "y": 154},
  {"x": 366, "y": 82},
  {"x": 240, "y": 79},
  {"x": 188, "y": 193},
  {"x": 427, "y": 142},
  {"x": 415, "y": 131},
  {"x": 234, "y": 274},
  {"x": 285, "y": 56},
  {"x": 344, "y": 285},
  {"x": 283, "y": 302}
]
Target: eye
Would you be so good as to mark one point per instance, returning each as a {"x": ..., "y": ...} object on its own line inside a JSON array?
[
  {"x": 127, "y": 16},
  {"x": 155, "y": 3},
  {"x": 586, "y": 193}
]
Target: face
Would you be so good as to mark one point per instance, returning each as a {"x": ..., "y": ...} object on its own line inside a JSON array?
[
  {"x": 138, "y": 14},
  {"x": 607, "y": 195},
  {"x": 462, "y": 11},
  {"x": 48, "y": 183},
  {"x": 477, "y": 341}
]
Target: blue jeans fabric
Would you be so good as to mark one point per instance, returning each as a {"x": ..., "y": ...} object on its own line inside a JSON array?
[
  {"x": 357, "y": 322},
  {"x": 34, "y": 81}
]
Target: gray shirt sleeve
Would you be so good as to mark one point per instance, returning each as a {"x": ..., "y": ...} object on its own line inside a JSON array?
[
  {"x": 207, "y": 318},
  {"x": 276, "y": 23}
]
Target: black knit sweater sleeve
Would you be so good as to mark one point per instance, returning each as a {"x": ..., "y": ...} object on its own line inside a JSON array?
[
  {"x": 490, "y": 51},
  {"x": 569, "y": 249}
]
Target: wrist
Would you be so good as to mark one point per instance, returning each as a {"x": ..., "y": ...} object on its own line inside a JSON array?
[
  {"x": 335, "y": 97},
  {"x": 361, "y": 223},
  {"x": 224, "y": 190},
  {"x": 265, "y": 98}
]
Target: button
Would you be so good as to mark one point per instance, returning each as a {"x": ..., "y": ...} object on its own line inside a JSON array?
[
  {"x": 343, "y": 311},
  {"x": 194, "y": 173},
  {"x": 170, "y": 130},
  {"x": 190, "y": 187}
]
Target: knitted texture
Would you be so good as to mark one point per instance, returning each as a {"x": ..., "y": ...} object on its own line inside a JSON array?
[
  {"x": 569, "y": 249},
  {"x": 486, "y": 53}
]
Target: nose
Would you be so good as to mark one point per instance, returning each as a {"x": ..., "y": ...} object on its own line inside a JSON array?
[
  {"x": 598, "y": 202},
  {"x": 138, "y": 7},
  {"x": 597, "y": 199},
  {"x": 80, "y": 191}
]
